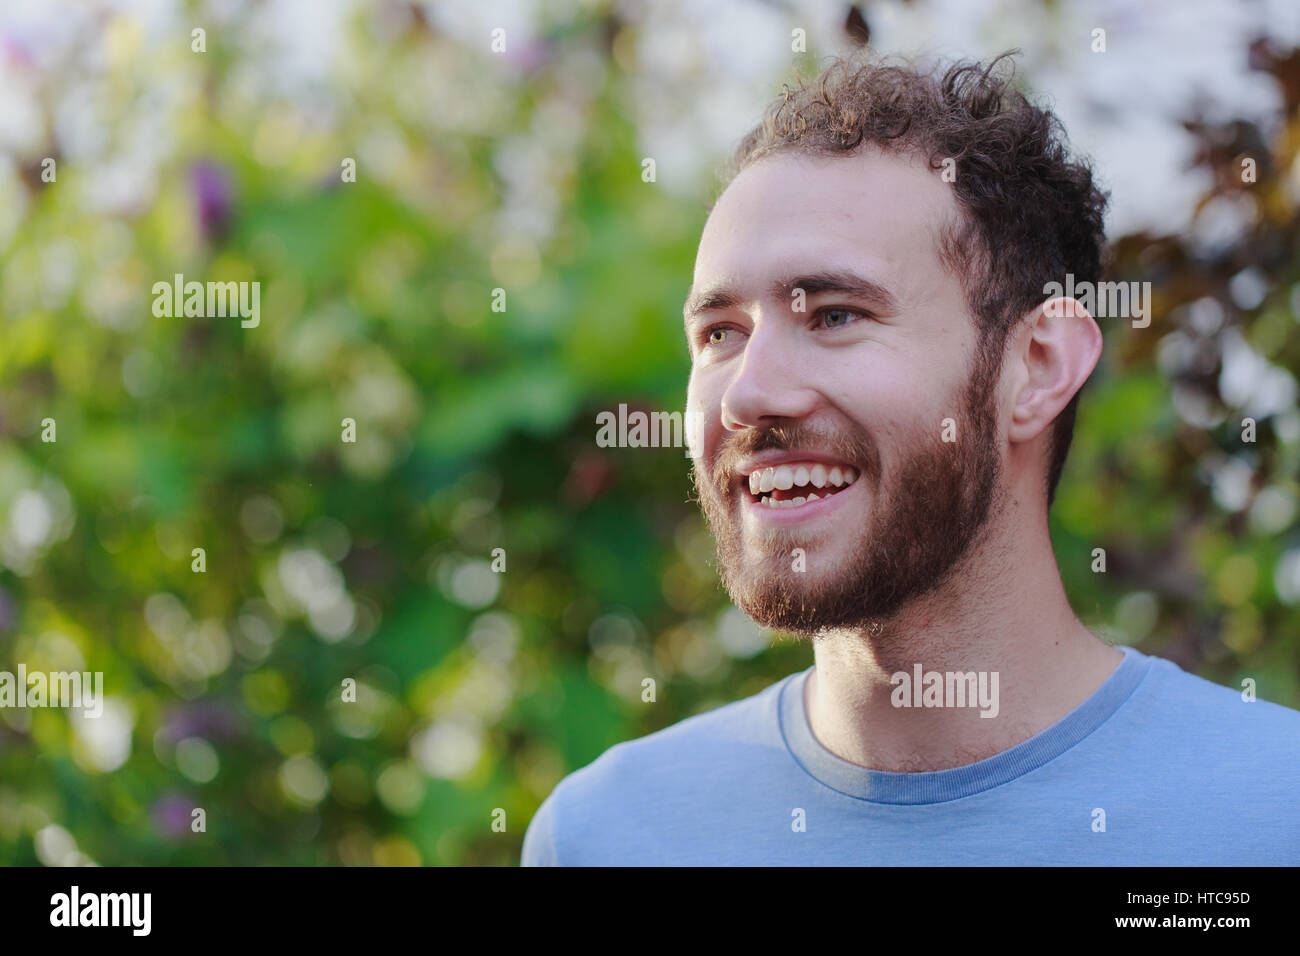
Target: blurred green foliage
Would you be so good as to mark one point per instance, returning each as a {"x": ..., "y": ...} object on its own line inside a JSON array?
[{"x": 326, "y": 560}]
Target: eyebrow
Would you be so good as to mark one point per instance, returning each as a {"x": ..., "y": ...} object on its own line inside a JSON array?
[{"x": 816, "y": 283}]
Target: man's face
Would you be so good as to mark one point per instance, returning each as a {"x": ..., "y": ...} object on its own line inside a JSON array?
[{"x": 820, "y": 457}]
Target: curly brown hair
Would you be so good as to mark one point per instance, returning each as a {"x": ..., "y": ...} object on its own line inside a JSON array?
[{"x": 1030, "y": 211}]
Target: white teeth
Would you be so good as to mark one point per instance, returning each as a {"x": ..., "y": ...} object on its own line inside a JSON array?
[
  {"x": 788, "y": 502},
  {"x": 799, "y": 475}
]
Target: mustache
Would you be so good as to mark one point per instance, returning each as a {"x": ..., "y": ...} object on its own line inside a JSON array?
[{"x": 850, "y": 446}]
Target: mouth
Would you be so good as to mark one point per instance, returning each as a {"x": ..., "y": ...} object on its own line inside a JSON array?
[{"x": 797, "y": 484}]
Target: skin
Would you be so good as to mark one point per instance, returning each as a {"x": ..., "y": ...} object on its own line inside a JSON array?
[{"x": 939, "y": 553}]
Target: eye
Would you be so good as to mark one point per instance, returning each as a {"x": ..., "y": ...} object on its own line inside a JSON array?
[
  {"x": 716, "y": 336},
  {"x": 715, "y": 342},
  {"x": 835, "y": 318}
]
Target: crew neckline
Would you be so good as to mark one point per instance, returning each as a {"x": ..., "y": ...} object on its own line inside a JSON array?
[{"x": 878, "y": 786}]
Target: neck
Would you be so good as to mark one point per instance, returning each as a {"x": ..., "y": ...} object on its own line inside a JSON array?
[{"x": 1003, "y": 611}]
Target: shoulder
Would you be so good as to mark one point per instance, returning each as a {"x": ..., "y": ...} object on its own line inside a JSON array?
[
  {"x": 1215, "y": 718},
  {"x": 638, "y": 779}
]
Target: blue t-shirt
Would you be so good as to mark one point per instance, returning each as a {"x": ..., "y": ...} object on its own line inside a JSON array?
[{"x": 1156, "y": 768}]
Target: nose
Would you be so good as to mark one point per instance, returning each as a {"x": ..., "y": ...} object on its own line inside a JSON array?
[{"x": 768, "y": 383}]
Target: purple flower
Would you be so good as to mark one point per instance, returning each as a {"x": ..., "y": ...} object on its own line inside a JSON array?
[
  {"x": 210, "y": 719},
  {"x": 528, "y": 56},
  {"x": 212, "y": 195},
  {"x": 8, "y": 611},
  {"x": 171, "y": 815}
]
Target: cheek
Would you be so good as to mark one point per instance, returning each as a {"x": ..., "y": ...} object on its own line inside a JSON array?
[
  {"x": 894, "y": 408},
  {"x": 880, "y": 394},
  {"x": 704, "y": 402},
  {"x": 693, "y": 390}
]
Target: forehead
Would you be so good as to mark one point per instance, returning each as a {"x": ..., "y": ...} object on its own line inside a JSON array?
[{"x": 866, "y": 210}]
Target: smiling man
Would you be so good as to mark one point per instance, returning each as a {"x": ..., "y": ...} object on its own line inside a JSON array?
[{"x": 887, "y": 399}]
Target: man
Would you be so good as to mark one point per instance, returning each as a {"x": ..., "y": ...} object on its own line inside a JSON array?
[{"x": 887, "y": 397}]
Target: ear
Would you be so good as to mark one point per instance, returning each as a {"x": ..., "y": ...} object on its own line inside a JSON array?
[{"x": 1056, "y": 351}]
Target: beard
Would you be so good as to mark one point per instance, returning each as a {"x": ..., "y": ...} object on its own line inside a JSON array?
[{"x": 911, "y": 539}]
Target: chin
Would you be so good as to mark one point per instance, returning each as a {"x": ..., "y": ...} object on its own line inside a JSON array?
[{"x": 775, "y": 596}]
